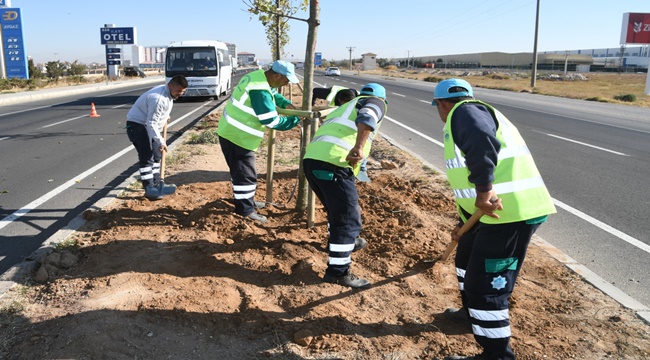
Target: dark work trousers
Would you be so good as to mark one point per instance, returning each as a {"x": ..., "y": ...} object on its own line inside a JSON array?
[
  {"x": 488, "y": 261},
  {"x": 148, "y": 157},
  {"x": 335, "y": 188},
  {"x": 243, "y": 175}
]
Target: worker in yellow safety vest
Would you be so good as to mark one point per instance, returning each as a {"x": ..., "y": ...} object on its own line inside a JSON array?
[
  {"x": 250, "y": 110},
  {"x": 331, "y": 161},
  {"x": 490, "y": 169}
]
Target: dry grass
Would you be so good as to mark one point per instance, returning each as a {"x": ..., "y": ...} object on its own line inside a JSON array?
[{"x": 603, "y": 87}]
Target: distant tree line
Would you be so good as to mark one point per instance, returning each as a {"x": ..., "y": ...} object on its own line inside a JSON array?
[{"x": 56, "y": 69}]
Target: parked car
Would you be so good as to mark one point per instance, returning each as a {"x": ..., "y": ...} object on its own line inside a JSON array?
[
  {"x": 134, "y": 71},
  {"x": 332, "y": 71}
]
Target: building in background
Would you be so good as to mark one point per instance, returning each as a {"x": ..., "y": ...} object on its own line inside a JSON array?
[
  {"x": 631, "y": 59},
  {"x": 246, "y": 59},
  {"x": 368, "y": 61},
  {"x": 148, "y": 57},
  {"x": 232, "y": 49}
]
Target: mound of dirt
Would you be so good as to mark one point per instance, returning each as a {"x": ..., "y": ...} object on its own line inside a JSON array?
[{"x": 185, "y": 278}]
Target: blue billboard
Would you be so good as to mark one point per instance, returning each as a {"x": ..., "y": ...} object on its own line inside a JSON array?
[
  {"x": 318, "y": 59},
  {"x": 13, "y": 47},
  {"x": 118, "y": 35}
]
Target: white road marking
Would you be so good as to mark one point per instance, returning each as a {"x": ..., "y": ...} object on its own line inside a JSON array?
[
  {"x": 40, "y": 201},
  {"x": 414, "y": 131},
  {"x": 601, "y": 225},
  {"x": 589, "y": 145},
  {"x": 396, "y": 94},
  {"x": 64, "y": 121},
  {"x": 4, "y": 138}
]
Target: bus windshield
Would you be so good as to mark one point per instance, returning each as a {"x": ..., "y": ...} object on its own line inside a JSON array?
[{"x": 191, "y": 61}]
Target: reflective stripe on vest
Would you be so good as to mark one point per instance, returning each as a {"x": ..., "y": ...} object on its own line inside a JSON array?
[
  {"x": 337, "y": 136},
  {"x": 516, "y": 178},
  {"x": 239, "y": 123}
]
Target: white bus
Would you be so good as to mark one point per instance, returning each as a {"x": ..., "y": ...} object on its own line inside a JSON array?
[{"x": 205, "y": 63}]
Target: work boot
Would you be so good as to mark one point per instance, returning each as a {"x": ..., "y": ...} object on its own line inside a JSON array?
[
  {"x": 349, "y": 280},
  {"x": 260, "y": 204},
  {"x": 459, "y": 316},
  {"x": 363, "y": 176},
  {"x": 153, "y": 193},
  {"x": 359, "y": 243},
  {"x": 166, "y": 189},
  {"x": 257, "y": 217}
]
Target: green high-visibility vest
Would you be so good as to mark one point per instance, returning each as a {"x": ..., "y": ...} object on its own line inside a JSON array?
[
  {"x": 331, "y": 97},
  {"x": 517, "y": 181},
  {"x": 337, "y": 136},
  {"x": 239, "y": 123}
]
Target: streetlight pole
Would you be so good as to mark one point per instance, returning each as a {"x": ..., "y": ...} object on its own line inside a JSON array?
[{"x": 533, "y": 78}]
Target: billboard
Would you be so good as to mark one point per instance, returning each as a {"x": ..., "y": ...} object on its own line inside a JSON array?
[
  {"x": 636, "y": 28},
  {"x": 118, "y": 35},
  {"x": 15, "y": 59}
]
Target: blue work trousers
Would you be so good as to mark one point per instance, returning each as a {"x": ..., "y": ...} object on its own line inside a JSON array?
[
  {"x": 488, "y": 261},
  {"x": 243, "y": 174},
  {"x": 335, "y": 188}
]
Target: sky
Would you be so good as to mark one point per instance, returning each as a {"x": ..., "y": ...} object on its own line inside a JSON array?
[{"x": 69, "y": 30}]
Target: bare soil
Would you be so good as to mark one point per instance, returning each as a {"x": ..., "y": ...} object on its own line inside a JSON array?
[{"x": 186, "y": 278}]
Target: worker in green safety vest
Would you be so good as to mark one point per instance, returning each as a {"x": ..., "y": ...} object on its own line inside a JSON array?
[
  {"x": 331, "y": 161},
  {"x": 490, "y": 169},
  {"x": 250, "y": 111}
]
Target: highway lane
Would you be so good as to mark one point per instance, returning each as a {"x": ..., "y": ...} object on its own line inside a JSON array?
[
  {"x": 593, "y": 156},
  {"x": 56, "y": 161}
]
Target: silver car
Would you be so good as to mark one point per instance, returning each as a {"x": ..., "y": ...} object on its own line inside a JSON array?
[{"x": 332, "y": 71}]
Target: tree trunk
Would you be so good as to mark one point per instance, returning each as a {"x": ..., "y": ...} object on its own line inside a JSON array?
[
  {"x": 270, "y": 161},
  {"x": 313, "y": 22}
]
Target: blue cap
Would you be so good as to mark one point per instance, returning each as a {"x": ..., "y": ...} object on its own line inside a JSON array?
[
  {"x": 373, "y": 89},
  {"x": 286, "y": 69},
  {"x": 449, "y": 88}
]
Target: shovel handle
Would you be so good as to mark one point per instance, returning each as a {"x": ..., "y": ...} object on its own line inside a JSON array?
[
  {"x": 162, "y": 161},
  {"x": 465, "y": 228}
]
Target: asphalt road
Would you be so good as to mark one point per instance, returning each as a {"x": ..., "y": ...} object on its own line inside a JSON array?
[
  {"x": 594, "y": 158},
  {"x": 56, "y": 161}
]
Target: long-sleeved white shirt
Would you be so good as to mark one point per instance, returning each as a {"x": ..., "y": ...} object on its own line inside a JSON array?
[{"x": 152, "y": 110}]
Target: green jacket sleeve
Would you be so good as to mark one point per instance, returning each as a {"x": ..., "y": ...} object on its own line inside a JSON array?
[{"x": 264, "y": 103}]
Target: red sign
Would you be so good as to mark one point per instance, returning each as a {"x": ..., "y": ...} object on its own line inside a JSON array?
[{"x": 636, "y": 28}]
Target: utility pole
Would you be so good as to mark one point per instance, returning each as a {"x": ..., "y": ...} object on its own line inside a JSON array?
[
  {"x": 350, "y": 48},
  {"x": 408, "y": 56},
  {"x": 533, "y": 78}
]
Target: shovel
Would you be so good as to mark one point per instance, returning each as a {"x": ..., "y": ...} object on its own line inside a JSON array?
[
  {"x": 465, "y": 228},
  {"x": 170, "y": 188}
]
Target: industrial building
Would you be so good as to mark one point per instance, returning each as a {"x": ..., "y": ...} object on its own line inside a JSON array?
[{"x": 633, "y": 59}]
